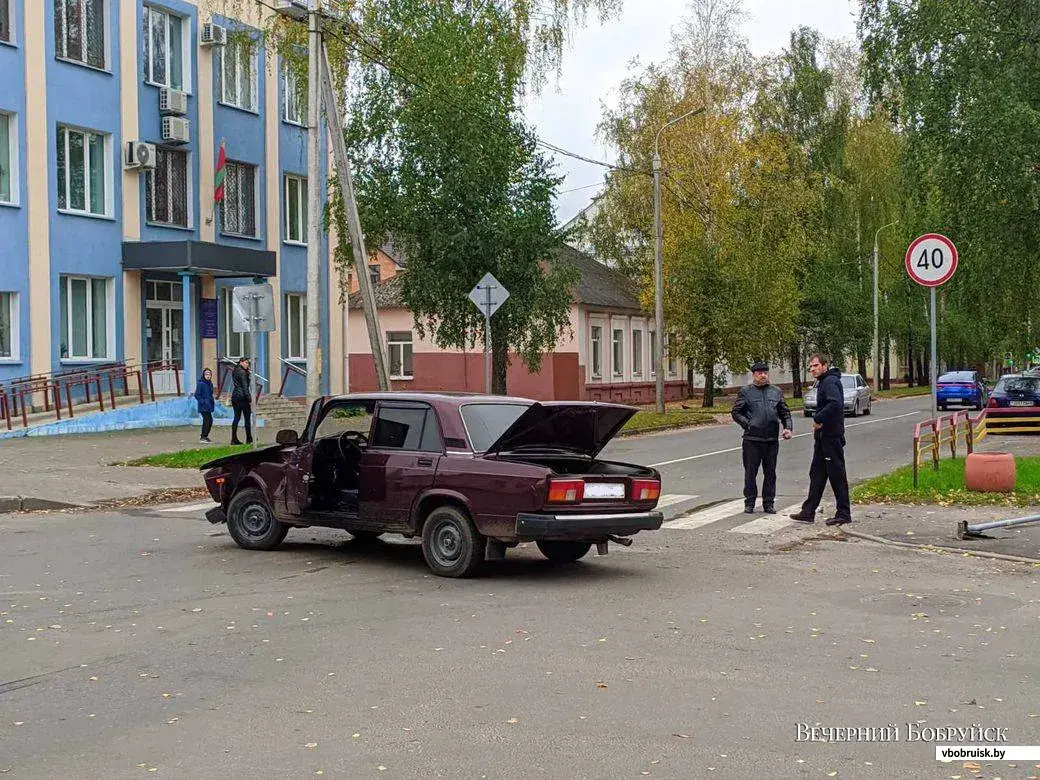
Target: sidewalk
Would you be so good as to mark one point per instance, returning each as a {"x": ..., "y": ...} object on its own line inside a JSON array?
[{"x": 60, "y": 471}]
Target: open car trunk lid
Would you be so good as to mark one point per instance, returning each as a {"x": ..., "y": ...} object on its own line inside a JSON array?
[{"x": 580, "y": 427}]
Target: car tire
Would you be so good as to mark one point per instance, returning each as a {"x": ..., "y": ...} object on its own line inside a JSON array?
[
  {"x": 451, "y": 544},
  {"x": 855, "y": 409},
  {"x": 251, "y": 522},
  {"x": 867, "y": 410},
  {"x": 562, "y": 551}
]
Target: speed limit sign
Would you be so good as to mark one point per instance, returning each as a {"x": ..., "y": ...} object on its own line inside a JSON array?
[{"x": 931, "y": 260}]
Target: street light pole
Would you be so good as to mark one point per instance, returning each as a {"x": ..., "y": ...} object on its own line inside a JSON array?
[
  {"x": 658, "y": 356},
  {"x": 314, "y": 203},
  {"x": 877, "y": 356}
]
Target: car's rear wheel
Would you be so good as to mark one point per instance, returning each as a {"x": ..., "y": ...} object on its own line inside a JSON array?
[
  {"x": 451, "y": 544},
  {"x": 564, "y": 551},
  {"x": 251, "y": 522}
]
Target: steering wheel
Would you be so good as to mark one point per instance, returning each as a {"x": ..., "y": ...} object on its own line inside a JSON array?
[{"x": 350, "y": 444}]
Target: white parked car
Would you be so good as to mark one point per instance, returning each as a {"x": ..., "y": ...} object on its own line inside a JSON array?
[{"x": 857, "y": 396}]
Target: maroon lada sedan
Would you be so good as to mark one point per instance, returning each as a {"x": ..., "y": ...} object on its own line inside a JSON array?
[{"x": 471, "y": 475}]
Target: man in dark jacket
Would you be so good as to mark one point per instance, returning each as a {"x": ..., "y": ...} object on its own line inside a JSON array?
[
  {"x": 761, "y": 411},
  {"x": 828, "y": 463},
  {"x": 241, "y": 401}
]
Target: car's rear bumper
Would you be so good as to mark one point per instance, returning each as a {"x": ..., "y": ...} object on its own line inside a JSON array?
[{"x": 585, "y": 526}]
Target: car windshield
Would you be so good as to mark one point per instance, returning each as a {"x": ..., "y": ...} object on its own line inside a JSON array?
[
  {"x": 485, "y": 423},
  {"x": 1019, "y": 384},
  {"x": 960, "y": 377},
  {"x": 848, "y": 382}
]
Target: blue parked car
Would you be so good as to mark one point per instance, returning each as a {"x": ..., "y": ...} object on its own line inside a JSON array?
[
  {"x": 961, "y": 388},
  {"x": 1016, "y": 390}
]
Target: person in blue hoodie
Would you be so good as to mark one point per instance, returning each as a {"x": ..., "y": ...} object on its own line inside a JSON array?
[{"x": 204, "y": 397}]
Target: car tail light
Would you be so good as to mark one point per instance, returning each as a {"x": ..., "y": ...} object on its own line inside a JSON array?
[
  {"x": 646, "y": 490},
  {"x": 566, "y": 491}
]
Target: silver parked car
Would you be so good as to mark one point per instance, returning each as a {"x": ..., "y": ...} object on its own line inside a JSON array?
[{"x": 857, "y": 396}]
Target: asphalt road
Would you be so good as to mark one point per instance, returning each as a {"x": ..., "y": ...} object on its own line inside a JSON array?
[{"x": 145, "y": 643}]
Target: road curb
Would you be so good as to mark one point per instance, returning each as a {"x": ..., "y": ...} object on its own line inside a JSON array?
[
  {"x": 937, "y": 548},
  {"x": 10, "y": 504}
]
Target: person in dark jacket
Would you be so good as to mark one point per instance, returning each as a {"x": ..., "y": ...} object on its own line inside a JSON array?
[
  {"x": 828, "y": 463},
  {"x": 761, "y": 411},
  {"x": 241, "y": 401},
  {"x": 204, "y": 398}
]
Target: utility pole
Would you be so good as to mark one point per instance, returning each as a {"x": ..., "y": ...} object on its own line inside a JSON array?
[
  {"x": 357, "y": 239},
  {"x": 877, "y": 358},
  {"x": 314, "y": 201},
  {"x": 658, "y": 356}
]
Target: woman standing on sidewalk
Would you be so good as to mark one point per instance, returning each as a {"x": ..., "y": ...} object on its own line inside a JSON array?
[
  {"x": 241, "y": 401},
  {"x": 204, "y": 397}
]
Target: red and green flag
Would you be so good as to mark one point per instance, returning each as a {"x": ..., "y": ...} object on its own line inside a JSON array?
[{"x": 218, "y": 195}]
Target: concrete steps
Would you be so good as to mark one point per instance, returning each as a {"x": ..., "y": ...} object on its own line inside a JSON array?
[{"x": 279, "y": 413}]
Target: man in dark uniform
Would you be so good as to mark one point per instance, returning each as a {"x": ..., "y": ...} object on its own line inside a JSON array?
[
  {"x": 761, "y": 411},
  {"x": 828, "y": 463}
]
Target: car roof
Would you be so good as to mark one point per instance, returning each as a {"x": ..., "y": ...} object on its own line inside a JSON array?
[{"x": 444, "y": 396}]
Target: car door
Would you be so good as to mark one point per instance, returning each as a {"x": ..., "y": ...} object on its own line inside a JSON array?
[
  {"x": 292, "y": 494},
  {"x": 399, "y": 463}
]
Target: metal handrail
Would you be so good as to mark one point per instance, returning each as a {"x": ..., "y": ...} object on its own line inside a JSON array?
[{"x": 289, "y": 366}]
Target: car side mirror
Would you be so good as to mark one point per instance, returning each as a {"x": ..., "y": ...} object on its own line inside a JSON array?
[{"x": 287, "y": 437}]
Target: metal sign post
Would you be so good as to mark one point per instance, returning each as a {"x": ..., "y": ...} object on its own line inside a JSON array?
[
  {"x": 252, "y": 310},
  {"x": 931, "y": 261},
  {"x": 488, "y": 295}
]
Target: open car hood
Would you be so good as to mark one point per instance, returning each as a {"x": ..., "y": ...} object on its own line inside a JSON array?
[
  {"x": 579, "y": 427},
  {"x": 246, "y": 457}
]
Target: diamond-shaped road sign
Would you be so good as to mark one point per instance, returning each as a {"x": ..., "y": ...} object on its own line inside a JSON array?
[{"x": 488, "y": 295}]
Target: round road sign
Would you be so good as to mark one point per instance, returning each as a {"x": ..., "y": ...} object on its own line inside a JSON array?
[{"x": 931, "y": 260}]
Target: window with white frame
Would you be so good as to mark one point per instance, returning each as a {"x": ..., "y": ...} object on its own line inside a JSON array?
[
  {"x": 673, "y": 364},
  {"x": 79, "y": 30},
  {"x": 82, "y": 171},
  {"x": 596, "y": 351},
  {"x": 238, "y": 212},
  {"x": 234, "y": 343},
  {"x": 618, "y": 352},
  {"x": 85, "y": 318},
  {"x": 653, "y": 353},
  {"x": 166, "y": 189},
  {"x": 5, "y": 21},
  {"x": 237, "y": 73},
  {"x": 165, "y": 35},
  {"x": 295, "y": 209},
  {"x": 399, "y": 350},
  {"x": 375, "y": 273},
  {"x": 294, "y": 94},
  {"x": 8, "y": 150},
  {"x": 637, "y": 352},
  {"x": 296, "y": 326},
  {"x": 8, "y": 325}
]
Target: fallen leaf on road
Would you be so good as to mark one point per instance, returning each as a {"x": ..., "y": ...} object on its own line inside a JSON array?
[
  {"x": 920, "y": 703},
  {"x": 512, "y": 720},
  {"x": 601, "y": 684},
  {"x": 311, "y": 745},
  {"x": 682, "y": 736},
  {"x": 356, "y": 736},
  {"x": 93, "y": 679}
]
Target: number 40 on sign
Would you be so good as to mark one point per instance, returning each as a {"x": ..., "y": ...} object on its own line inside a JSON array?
[{"x": 931, "y": 260}]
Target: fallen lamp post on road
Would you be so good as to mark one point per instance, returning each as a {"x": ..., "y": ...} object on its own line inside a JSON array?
[{"x": 965, "y": 531}]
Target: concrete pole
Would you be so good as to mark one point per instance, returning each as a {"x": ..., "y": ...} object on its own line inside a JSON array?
[
  {"x": 658, "y": 356},
  {"x": 314, "y": 201},
  {"x": 877, "y": 357}
]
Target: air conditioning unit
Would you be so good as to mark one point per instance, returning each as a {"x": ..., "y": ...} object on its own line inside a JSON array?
[
  {"x": 173, "y": 101},
  {"x": 176, "y": 130},
  {"x": 213, "y": 35},
  {"x": 139, "y": 155}
]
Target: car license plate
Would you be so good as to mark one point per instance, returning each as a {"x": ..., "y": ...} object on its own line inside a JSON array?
[
  {"x": 953, "y": 400},
  {"x": 604, "y": 490},
  {"x": 1021, "y": 403}
]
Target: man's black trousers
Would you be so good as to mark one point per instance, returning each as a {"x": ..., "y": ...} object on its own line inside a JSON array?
[
  {"x": 828, "y": 465},
  {"x": 764, "y": 454}
]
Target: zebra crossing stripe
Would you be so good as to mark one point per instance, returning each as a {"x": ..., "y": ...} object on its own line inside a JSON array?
[
  {"x": 768, "y": 523},
  {"x": 706, "y": 516},
  {"x": 671, "y": 499}
]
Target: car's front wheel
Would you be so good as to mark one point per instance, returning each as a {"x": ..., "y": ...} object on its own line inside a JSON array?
[
  {"x": 564, "y": 551},
  {"x": 451, "y": 544},
  {"x": 251, "y": 522}
]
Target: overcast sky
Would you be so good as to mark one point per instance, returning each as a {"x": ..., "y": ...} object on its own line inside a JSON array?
[{"x": 599, "y": 56}]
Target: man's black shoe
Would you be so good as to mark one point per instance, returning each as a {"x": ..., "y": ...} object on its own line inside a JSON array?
[
  {"x": 749, "y": 508},
  {"x": 769, "y": 509},
  {"x": 839, "y": 520},
  {"x": 800, "y": 518}
]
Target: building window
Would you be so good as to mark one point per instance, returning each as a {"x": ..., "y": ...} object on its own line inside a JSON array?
[
  {"x": 295, "y": 210},
  {"x": 653, "y": 353},
  {"x": 399, "y": 348},
  {"x": 238, "y": 215},
  {"x": 8, "y": 325},
  {"x": 618, "y": 352},
  {"x": 80, "y": 31},
  {"x": 673, "y": 365},
  {"x": 296, "y": 326},
  {"x": 164, "y": 54},
  {"x": 84, "y": 318},
  {"x": 375, "y": 273},
  {"x": 8, "y": 148},
  {"x": 82, "y": 171},
  {"x": 166, "y": 189},
  {"x": 237, "y": 73},
  {"x": 637, "y": 352},
  {"x": 294, "y": 92},
  {"x": 162, "y": 291},
  {"x": 234, "y": 343},
  {"x": 596, "y": 348},
  {"x": 5, "y": 21}
]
